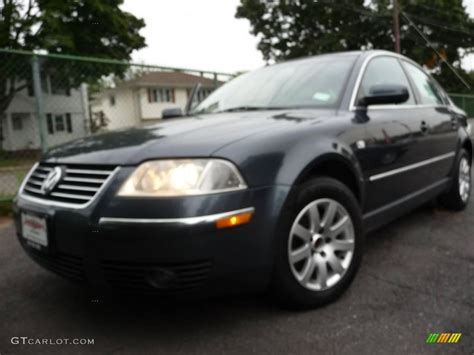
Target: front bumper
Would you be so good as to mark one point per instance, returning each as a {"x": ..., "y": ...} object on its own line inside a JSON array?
[{"x": 119, "y": 244}]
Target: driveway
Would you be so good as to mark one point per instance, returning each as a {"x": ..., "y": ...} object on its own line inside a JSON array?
[{"x": 417, "y": 278}]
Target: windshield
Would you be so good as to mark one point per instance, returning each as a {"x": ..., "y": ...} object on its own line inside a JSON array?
[{"x": 315, "y": 82}]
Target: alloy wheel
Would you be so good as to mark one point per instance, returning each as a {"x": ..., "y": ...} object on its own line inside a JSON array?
[
  {"x": 464, "y": 179},
  {"x": 321, "y": 244}
]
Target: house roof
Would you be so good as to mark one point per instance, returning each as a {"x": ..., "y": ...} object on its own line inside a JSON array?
[{"x": 172, "y": 79}]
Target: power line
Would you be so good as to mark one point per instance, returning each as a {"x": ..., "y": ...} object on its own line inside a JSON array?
[
  {"x": 365, "y": 11},
  {"x": 422, "y": 35},
  {"x": 437, "y": 24},
  {"x": 438, "y": 10}
]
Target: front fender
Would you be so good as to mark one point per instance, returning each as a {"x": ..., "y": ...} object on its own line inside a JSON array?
[{"x": 282, "y": 159}]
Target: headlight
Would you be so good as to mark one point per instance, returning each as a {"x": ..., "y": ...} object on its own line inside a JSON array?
[{"x": 182, "y": 177}]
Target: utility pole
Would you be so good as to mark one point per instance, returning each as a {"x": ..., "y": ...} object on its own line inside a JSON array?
[
  {"x": 40, "y": 115},
  {"x": 396, "y": 25}
]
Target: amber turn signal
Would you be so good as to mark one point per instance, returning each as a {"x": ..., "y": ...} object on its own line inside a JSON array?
[{"x": 234, "y": 220}]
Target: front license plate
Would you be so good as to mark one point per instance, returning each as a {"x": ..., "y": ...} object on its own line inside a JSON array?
[{"x": 34, "y": 229}]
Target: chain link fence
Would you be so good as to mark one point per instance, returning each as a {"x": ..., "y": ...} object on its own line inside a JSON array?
[
  {"x": 466, "y": 102},
  {"x": 48, "y": 100}
]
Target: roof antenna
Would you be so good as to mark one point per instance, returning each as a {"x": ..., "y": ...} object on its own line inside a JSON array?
[{"x": 422, "y": 35}]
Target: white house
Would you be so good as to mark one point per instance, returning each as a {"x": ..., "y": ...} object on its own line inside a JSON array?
[
  {"x": 66, "y": 112},
  {"x": 143, "y": 99}
]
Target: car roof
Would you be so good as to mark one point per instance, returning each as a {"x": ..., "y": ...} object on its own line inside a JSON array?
[{"x": 353, "y": 54}]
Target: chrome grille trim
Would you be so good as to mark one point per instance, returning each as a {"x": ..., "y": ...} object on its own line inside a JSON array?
[
  {"x": 34, "y": 182},
  {"x": 71, "y": 196},
  {"x": 88, "y": 171},
  {"x": 76, "y": 179},
  {"x": 33, "y": 190},
  {"x": 77, "y": 188},
  {"x": 40, "y": 176},
  {"x": 76, "y": 191}
]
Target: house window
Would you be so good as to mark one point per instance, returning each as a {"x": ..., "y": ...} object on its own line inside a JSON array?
[
  {"x": 68, "y": 123},
  {"x": 202, "y": 94},
  {"x": 59, "y": 123},
  {"x": 161, "y": 95},
  {"x": 112, "y": 100},
  {"x": 49, "y": 121},
  {"x": 17, "y": 120}
]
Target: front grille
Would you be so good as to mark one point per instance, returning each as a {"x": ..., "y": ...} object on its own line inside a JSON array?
[
  {"x": 79, "y": 185},
  {"x": 156, "y": 278},
  {"x": 66, "y": 265}
]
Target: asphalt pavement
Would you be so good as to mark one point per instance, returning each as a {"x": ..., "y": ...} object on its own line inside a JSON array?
[{"x": 417, "y": 278}]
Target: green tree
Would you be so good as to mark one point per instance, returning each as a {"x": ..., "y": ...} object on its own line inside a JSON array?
[
  {"x": 294, "y": 28},
  {"x": 97, "y": 28},
  {"x": 291, "y": 29}
]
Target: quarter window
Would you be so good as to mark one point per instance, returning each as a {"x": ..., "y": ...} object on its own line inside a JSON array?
[
  {"x": 429, "y": 94},
  {"x": 387, "y": 71}
]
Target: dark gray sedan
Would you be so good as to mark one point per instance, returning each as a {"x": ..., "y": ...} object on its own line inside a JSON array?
[{"x": 270, "y": 183}]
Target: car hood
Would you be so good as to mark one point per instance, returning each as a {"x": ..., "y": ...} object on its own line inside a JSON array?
[{"x": 197, "y": 136}]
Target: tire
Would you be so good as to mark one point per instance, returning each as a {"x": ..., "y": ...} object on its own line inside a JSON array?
[
  {"x": 457, "y": 197},
  {"x": 291, "y": 285}
]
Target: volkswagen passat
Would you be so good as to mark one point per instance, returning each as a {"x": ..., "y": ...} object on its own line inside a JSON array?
[{"x": 271, "y": 182}]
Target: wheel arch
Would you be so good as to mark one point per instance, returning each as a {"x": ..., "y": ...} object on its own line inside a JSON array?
[
  {"x": 338, "y": 167},
  {"x": 467, "y": 145}
]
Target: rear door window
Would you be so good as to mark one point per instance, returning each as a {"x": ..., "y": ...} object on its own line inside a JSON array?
[{"x": 426, "y": 87}]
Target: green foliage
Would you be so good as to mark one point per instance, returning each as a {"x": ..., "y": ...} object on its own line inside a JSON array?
[
  {"x": 294, "y": 28},
  {"x": 96, "y": 28}
]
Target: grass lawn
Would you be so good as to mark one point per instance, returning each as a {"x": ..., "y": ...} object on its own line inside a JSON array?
[
  {"x": 5, "y": 207},
  {"x": 7, "y": 197},
  {"x": 15, "y": 161}
]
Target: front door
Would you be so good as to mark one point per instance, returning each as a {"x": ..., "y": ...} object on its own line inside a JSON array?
[{"x": 397, "y": 140}]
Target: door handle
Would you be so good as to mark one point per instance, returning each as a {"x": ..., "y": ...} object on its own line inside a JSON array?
[{"x": 424, "y": 127}]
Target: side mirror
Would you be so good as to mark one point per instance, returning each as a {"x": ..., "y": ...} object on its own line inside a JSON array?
[
  {"x": 171, "y": 113},
  {"x": 385, "y": 94}
]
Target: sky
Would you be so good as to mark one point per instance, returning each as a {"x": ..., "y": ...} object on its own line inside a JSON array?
[{"x": 203, "y": 35}]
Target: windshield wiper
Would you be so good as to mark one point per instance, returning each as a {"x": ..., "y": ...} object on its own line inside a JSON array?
[{"x": 250, "y": 108}]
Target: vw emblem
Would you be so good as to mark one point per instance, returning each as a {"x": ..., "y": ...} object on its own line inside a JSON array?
[{"x": 52, "y": 180}]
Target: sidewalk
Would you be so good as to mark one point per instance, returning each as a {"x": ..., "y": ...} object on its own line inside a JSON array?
[
  {"x": 11, "y": 178},
  {"x": 5, "y": 222}
]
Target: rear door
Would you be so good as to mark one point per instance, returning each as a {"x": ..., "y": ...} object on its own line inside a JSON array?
[{"x": 441, "y": 123}]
